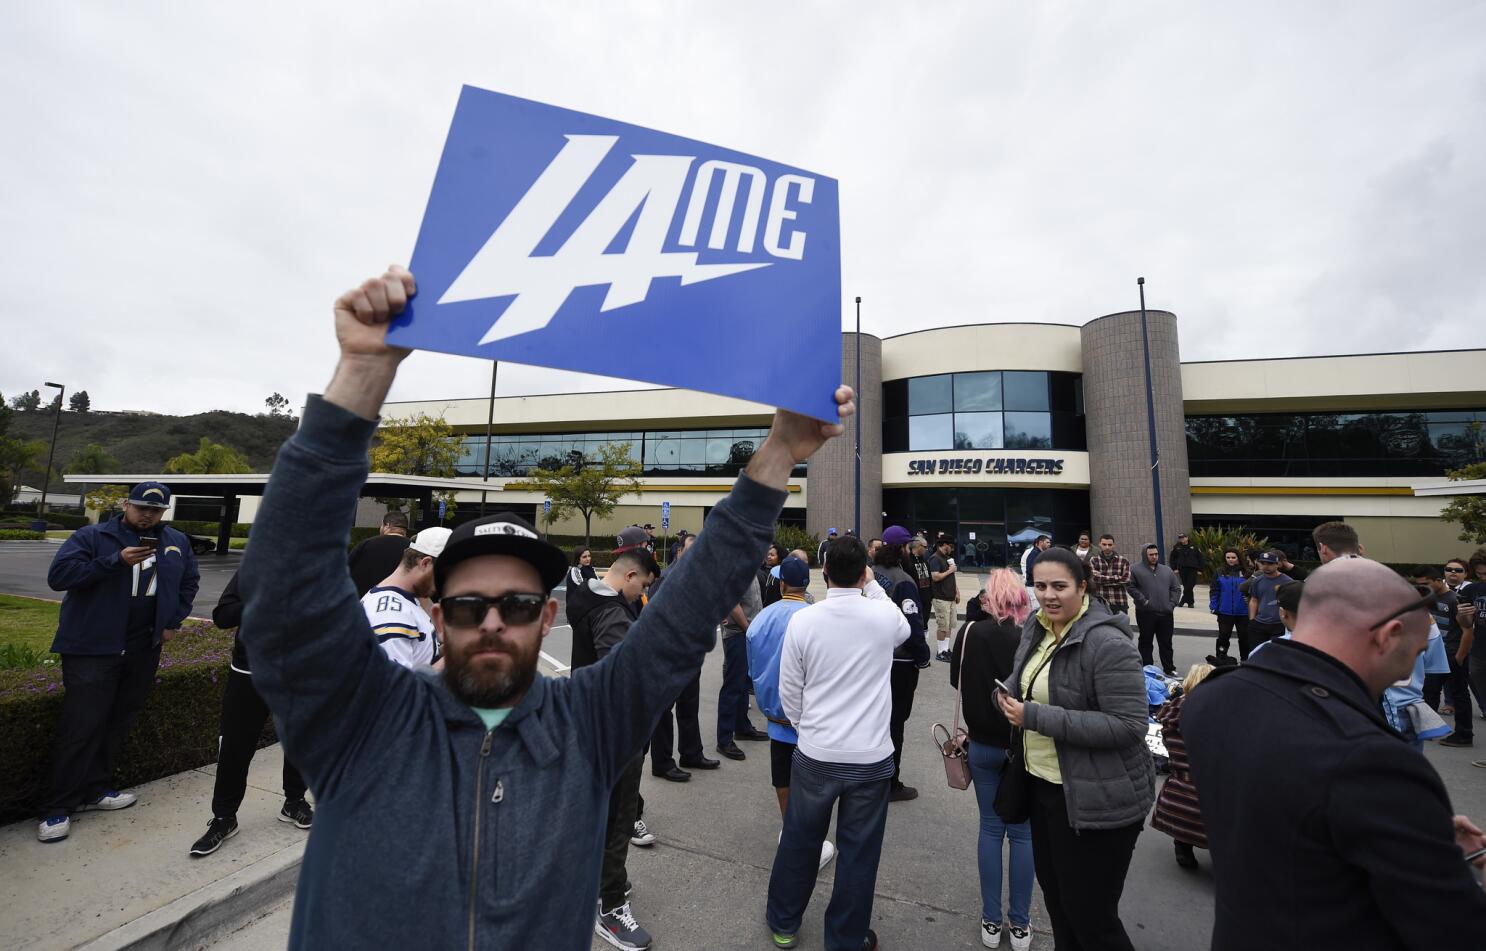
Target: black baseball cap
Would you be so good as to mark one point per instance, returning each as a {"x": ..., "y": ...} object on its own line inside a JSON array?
[{"x": 501, "y": 534}]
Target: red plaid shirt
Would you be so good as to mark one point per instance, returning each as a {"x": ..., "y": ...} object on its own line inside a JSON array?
[{"x": 1109, "y": 579}]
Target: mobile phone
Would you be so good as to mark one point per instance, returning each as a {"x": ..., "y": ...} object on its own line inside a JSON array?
[
  {"x": 1002, "y": 687},
  {"x": 149, "y": 541},
  {"x": 1471, "y": 858}
]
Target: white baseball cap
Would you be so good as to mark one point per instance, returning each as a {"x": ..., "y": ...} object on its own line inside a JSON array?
[{"x": 431, "y": 541}]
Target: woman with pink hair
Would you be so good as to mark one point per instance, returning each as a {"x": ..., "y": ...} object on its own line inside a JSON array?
[{"x": 985, "y": 652}]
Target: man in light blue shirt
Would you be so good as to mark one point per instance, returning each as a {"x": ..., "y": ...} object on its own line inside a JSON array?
[{"x": 765, "y": 642}]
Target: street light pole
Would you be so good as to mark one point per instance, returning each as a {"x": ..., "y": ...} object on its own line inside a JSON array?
[
  {"x": 1150, "y": 410},
  {"x": 857, "y": 518},
  {"x": 46, "y": 477}
]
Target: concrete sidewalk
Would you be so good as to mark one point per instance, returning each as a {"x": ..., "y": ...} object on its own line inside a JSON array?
[{"x": 118, "y": 867}]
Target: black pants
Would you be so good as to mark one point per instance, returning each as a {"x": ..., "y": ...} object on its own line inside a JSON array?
[
  {"x": 104, "y": 694},
  {"x": 1460, "y": 686},
  {"x": 1227, "y": 624},
  {"x": 1159, "y": 625},
  {"x": 243, "y": 716},
  {"x": 622, "y": 803},
  {"x": 689, "y": 729},
  {"x": 1082, "y": 874},
  {"x": 904, "y": 681},
  {"x": 1254, "y": 633},
  {"x": 1189, "y": 581}
]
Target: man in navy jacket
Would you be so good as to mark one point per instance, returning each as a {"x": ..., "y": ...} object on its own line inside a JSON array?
[
  {"x": 508, "y": 772},
  {"x": 129, "y": 583},
  {"x": 1327, "y": 830}
]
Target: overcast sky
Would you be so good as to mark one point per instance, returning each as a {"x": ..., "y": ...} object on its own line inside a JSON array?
[{"x": 188, "y": 187}]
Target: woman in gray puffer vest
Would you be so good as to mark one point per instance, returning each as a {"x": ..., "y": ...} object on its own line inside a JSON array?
[{"x": 1084, "y": 725}]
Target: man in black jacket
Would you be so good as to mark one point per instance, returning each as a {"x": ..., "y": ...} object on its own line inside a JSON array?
[
  {"x": 379, "y": 556},
  {"x": 243, "y": 716},
  {"x": 1326, "y": 829},
  {"x": 601, "y": 613},
  {"x": 1186, "y": 561}
]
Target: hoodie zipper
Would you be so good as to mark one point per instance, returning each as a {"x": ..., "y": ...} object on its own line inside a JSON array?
[{"x": 479, "y": 807}]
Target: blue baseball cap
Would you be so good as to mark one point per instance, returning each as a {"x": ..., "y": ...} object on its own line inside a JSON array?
[
  {"x": 794, "y": 572},
  {"x": 152, "y": 494}
]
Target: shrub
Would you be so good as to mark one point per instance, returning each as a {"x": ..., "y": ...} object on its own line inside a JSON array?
[
  {"x": 792, "y": 537},
  {"x": 20, "y": 535},
  {"x": 23, "y": 657},
  {"x": 54, "y": 519},
  {"x": 176, "y": 731},
  {"x": 1212, "y": 541},
  {"x": 359, "y": 535}
]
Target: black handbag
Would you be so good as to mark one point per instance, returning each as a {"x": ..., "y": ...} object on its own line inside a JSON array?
[{"x": 1013, "y": 802}]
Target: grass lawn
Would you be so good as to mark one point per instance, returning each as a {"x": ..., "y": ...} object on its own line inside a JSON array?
[
  {"x": 59, "y": 533},
  {"x": 28, "y": 621}
]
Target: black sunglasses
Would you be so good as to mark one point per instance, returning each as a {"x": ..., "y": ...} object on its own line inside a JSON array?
[
  {"x": 469, "y": 610},
  {"x": 1456, "y": 570},
  {"x": 1423, "y": 604}
]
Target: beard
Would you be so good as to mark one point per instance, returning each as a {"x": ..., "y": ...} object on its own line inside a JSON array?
[{"x": 489, "y": 685}]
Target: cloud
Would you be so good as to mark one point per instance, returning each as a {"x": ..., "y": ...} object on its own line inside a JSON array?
[{"x": 188, "y": 188}]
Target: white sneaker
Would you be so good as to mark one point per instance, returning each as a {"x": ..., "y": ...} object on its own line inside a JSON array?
[
  {"x": 990, "y": 933},
  {"x": 642, "y": 836},
  {"x": 1021, "y": 938},
  {"x": 827, "y": 852},
  {"x": 50, "y": 830},
  {"x": 110, "y": 800}
]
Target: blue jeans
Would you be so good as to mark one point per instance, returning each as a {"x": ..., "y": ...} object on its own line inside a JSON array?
[
  {"x": 861, "y": 815},
  {"x": 985, "y": 773},
  {"x": 732, "y": 699}
]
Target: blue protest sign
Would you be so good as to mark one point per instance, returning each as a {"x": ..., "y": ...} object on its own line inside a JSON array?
[
  {"x": 567, "y": 240},
  {"x": 441, "y": 510}
]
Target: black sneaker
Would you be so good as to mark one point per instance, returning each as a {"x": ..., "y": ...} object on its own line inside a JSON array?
[
  {"x": 902, "y": 793},
  {"x": 731, "y": 751},
  {"x": 217, "y": 832},
  {"x": 1455, "y": 739},
  {"x": 297, "y": 812},
  {"x": 869, "y": 943}
]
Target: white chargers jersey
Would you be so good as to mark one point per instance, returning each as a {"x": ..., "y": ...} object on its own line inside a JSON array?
[{"x": 402, "y": 627}]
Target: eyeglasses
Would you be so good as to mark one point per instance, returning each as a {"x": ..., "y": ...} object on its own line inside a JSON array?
[
  {"x": 1423, "y": 604},
  {"x": 469, "y": 610},
  {"x": 1454, "y": 571}
]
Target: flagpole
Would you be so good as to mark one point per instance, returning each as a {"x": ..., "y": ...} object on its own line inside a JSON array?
[{"x": 489, "y": 430}]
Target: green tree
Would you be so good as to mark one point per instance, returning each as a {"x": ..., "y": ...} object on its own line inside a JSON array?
[
  {"x": 80, "y": 403},
  {"x": 28, "y": 402},
  {"x": 277, "y": 405},
  {"x": 1468, "y": 511},
  {"x": 107, "y": 498},
  {"x": 421, "y": 445},
  {"x": 209, "y": 458},
  {"x": 17, "y": 456},
  {"x": 589, "y": 485},
  {"x": 91, "y": 459}
]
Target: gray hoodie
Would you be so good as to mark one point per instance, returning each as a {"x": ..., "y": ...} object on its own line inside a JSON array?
[{"x": 1154, "y": 587}]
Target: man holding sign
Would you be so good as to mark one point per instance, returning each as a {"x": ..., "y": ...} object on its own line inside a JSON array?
[{"x": 513, "y": 769}]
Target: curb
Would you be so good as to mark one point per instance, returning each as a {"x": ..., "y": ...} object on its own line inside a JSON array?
[{"x": 211, "y": 911}]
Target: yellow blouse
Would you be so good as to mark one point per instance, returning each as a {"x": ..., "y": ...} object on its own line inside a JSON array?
[{"x": 1042, "y": 751}]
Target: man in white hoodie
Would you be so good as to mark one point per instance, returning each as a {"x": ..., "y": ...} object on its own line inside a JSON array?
[{"x": 834, "y": 686}]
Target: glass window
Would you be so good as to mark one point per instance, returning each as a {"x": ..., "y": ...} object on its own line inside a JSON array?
[
  {"x": 895, "y": 398},
  {"x": 977, "y": 430},
  {"x": 929, "y": 394},
  {"x": 930, "y": 432},
  {"x": 1024, "y": 390},
  {"x": 895, "y": 434},
  {"x": 1029, "y": 431},
  {"x": 977, "y": 392}
]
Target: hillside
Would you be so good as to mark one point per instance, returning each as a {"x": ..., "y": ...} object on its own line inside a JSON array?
[{"x": 143, "y": 443}]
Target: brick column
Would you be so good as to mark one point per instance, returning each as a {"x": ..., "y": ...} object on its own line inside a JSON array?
[
  {"x": 1121, "y": 500},
  {"x": 831, "y": 482}
]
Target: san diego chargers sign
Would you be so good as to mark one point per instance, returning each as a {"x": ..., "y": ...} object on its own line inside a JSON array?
[{"x": 566, "y": 240}]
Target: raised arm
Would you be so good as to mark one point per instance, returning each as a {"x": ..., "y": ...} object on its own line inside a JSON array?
[
  {"x": 313, "y": 657},
  {"x": 82, "y": 562}
]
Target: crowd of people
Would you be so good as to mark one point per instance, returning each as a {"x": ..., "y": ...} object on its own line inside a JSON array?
[{"x": 410, "y": 675}]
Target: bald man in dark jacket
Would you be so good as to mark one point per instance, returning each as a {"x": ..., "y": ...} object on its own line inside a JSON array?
[{"x": 1327, "y": 829}]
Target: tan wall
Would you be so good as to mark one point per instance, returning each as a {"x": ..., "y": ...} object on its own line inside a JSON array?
[
  {"x": 982, "y": 347},
  {"x": 1410, "y": 540},
  {"x": 1375, "y": 381}
]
